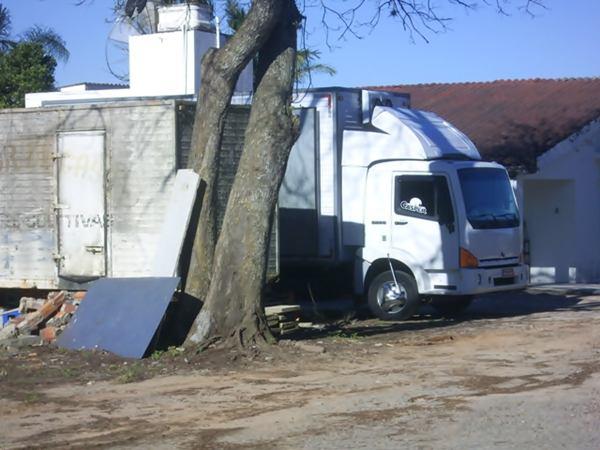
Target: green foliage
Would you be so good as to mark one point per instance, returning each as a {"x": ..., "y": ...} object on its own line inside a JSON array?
[
  {"x": 171, "y": 352},
  {"x": 4, "y": 29},
  {"x": 130, "y": 374},
  {"x": 344, "y": 334},
  {"x": 27, "y": 62},
  {"x": 306, "y": 58},
  {"x": 23, "y": 69},
  {"x": 306, "y": 65},
  {"x": 50, "y": 41},
  {"x": 235, "y": 14}
]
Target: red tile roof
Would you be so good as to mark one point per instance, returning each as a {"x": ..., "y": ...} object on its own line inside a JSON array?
[{"x": 511, "y": 121}]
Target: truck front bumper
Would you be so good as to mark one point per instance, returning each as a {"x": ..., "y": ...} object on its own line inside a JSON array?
[
  {"x": 478, "y": 281},
  {"x": 482, "y": 280}
]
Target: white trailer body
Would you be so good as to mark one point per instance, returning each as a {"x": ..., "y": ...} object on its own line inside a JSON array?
[{"x": 375, "y": 184}]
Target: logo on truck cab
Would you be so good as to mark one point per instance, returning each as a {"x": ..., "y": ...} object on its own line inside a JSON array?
[{"x": 415, "y": 205}]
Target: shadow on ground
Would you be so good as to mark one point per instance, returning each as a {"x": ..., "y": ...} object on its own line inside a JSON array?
[{"x": 344, "y": 318}]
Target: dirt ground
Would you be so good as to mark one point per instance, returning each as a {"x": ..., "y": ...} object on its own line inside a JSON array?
[{"x": 518, "y": 370}]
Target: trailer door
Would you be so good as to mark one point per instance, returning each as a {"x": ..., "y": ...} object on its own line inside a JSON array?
[
  {"x": 80, "y": 209},
  {"x": 298, "y": 206}
]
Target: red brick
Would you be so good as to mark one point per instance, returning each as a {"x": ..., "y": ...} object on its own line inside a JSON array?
[
  {"x": 48, "y": 334},
  {"x": 79, "y": 295},
  {"x": 67, "y": 308}
]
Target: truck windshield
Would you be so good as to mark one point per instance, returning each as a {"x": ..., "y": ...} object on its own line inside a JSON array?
[{"x": 489, "y": 199}]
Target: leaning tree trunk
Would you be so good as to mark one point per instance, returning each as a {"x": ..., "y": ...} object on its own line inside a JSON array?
[
  {"x": 233, "y": 308},
  {"x": 220, "y": 70}
]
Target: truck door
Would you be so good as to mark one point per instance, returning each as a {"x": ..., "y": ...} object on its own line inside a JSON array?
[
  {"x": 80, "y": 209},
  {"x": 423, "y": 221}
]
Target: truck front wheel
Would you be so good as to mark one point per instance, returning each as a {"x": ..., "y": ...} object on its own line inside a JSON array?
[{"x": 393, "y": 300}]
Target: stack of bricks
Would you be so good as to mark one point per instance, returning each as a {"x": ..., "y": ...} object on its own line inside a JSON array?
[{"x": 45, "y": 318}]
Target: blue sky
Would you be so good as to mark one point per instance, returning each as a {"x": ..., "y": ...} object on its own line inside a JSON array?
[{"x": 562, "y": 41}]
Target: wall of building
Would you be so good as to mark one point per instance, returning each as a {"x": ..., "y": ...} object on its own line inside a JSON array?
[{"x": 561, "y": 203}]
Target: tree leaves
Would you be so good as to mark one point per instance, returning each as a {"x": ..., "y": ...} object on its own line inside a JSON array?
[
  {"x": 5, "y": 25},
  {"x": 25, "y": 68},
  {"x": 235, "y": 14},
  {"x": 51, "y": 42},
  {"x": 306, "y": 65},
  {"x": 27, "y": 62}
]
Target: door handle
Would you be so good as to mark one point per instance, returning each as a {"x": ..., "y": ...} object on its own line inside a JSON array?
[
  {"x": 397, "y": 222},
  {"x": 94, "y": 249}
]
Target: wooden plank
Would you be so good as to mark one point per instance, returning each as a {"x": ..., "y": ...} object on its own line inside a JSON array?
[
  {"x": 280, "y": 309},
  {"x": 288, "y": 326},
  {"x": 280, "y": 332}
]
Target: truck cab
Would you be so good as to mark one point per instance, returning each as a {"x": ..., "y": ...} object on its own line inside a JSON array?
[
  {"x": 452, "y": 226},
  {"x": 414, "y": 209}
]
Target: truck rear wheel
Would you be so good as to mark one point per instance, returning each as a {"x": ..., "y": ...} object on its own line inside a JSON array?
[
  {"x": 450, "y": 306},
  {"x": 389, "y": 301}
]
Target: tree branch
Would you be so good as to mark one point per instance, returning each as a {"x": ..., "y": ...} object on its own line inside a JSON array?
[{"x": 417, "y": 17}]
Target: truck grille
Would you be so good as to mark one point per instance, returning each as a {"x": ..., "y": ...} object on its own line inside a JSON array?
[{"x": 504, "y": 281}]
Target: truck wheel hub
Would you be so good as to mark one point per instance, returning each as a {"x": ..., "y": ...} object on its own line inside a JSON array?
[{"x": 391, "y": 297}]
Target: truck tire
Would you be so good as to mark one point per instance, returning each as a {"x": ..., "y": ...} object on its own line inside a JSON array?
[
  {"x": 387, "y": 303},
  {"x": 450, "y": 306}
]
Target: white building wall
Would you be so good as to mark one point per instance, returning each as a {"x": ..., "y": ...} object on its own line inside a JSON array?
[{"x": 573, "y": 164}]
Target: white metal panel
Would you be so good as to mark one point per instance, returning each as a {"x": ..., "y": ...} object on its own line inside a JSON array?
[
  {"x": 142, "y": 174},
  {"x": 299, "y": 185},
  {"x": 297, "y": 213},
  {"x": 323, "y": 103},
  {"x": 326, "y": 126},
  {"x": 176, "y": 222},
  {"x": 26, "y": 196},
  {"x": 81, "y": 204},
  {"x": 354, "y": 181}
]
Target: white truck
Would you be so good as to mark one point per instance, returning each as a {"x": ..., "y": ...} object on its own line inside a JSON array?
[{"x": 401, "y": 197}]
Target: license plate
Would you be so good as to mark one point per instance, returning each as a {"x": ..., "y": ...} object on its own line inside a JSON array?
[{"x": 508, "y": 272}]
